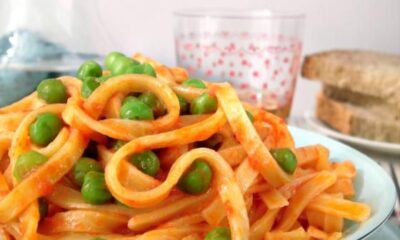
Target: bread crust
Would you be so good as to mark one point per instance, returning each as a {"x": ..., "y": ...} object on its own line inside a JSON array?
[
  {"x": 373, "y": 104},
  {"x": 333, "y": 114},
  {"x": 356, "y": 121},
  {"x": 370, "y": 73}
]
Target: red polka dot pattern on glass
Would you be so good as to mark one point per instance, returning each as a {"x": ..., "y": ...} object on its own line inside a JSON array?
[{"x": 262, "y": 67}]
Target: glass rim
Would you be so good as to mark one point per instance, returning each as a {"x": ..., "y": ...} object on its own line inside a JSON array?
[{"x": 231, "y": 13}]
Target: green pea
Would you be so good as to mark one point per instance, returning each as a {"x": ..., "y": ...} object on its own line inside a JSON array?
[
  {"x": 198, "y": 179},
  {"x": 123, "y": 65},
  {"x": 89, "y": 68},
  {"x": 141, "y": 69},
  {"x": 135, "y": 109},
  {"x": 250, "y": 116},
  {"x": 103, "y": 78},
  {"x": 52, "y": 91},
  {"x": 45, "y": 128},
  {"x": 43, "y": 208},
  {"x": 83, "y": 166},
  {"x": 183, "y": 105},
  {"x": 149, "y": 70},
  {"x": 89, "y": 85},
  {"x": 94, "y": 189},
  {"x": 203, "y": 104},
  {"x": 118, "y": 144},
  {"x": 120, "y": 66},
  {"x": 151, "y": 100},
  {"x": 146, "y": 162},
  {"x": 286, "y": 159},
  {"x": 136, "y": 69},
  {"x": 112, "y": 58},
  {"x": 218, "y": 233},
  {"x": 26, "y": 163},
  {"x": 196, "y": 83},
  {"x": 128, "y": 99}
]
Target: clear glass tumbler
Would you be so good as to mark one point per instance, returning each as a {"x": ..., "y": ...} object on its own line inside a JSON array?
[{"x": 257, "y": 51}]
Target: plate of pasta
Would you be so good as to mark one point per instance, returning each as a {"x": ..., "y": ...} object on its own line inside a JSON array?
[{"x": 139, "y": 150}]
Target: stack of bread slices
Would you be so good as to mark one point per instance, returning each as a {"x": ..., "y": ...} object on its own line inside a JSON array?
[{"x": 360, "y": 94}]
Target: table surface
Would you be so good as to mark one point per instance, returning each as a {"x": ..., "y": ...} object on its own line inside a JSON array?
[{"x": 391, "y": 163}]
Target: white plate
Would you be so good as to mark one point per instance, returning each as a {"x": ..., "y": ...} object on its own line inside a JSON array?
[
  {"x": 385, "y": 147},
  {"x": 372, "y": 184},
  {"x": 389, "y": 231}
]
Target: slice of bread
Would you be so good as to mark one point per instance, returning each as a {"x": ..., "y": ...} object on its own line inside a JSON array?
[
  {"x": 369, "y": 73},
  {"x": 356, "y": 121},
  {"x": 375, "y": 105}
]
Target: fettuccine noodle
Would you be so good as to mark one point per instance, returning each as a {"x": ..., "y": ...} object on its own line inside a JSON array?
[{"x": 252, "y": 195}]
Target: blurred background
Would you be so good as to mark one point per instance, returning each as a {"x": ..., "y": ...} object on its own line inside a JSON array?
[{"x": 146, "y": 27}]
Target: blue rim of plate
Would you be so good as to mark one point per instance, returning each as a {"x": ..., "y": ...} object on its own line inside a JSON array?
[
  {"x": 379, "y": 225},
  {"x": 380, "y": 218}
]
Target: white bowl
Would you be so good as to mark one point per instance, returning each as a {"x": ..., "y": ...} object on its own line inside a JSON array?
[{"x": 372, "y": 184}]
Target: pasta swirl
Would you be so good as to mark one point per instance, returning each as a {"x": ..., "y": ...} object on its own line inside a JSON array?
[{"x": 140, "y": 151}]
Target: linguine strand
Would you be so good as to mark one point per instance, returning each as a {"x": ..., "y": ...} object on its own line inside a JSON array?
[{"x": 250, "y": 193}]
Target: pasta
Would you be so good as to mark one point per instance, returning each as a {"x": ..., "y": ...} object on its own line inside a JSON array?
[{"x": 116, "y": 155}]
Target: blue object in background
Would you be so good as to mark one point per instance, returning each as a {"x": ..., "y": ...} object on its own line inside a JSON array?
[
  {"x": 15, "y": 84},
  {"x": 22, "y": 54},
  {"x": 24, "y": 46},
  {"x": 26, "y": 58}
]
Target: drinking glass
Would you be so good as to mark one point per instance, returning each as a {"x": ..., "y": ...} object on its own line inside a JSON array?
[{"x": 257, "y": 51}]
